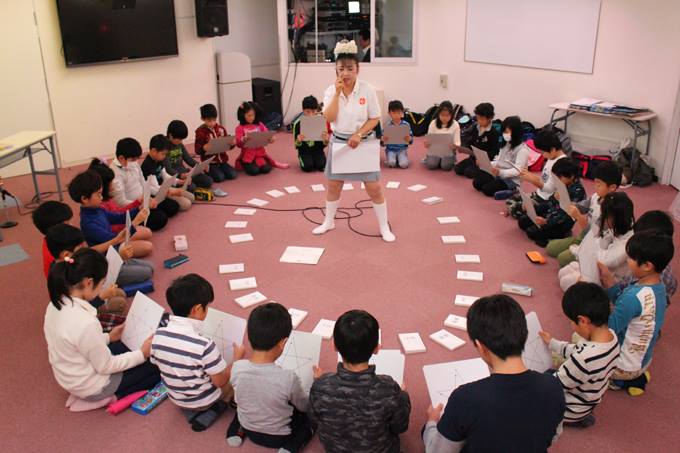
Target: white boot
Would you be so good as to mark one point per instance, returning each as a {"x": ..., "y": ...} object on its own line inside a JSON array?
[
  {"x": 329, "y": 222},
  {"x": 381, "y": 213}
]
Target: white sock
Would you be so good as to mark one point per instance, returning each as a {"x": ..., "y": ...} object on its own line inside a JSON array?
[
  {"x": 381, "y": 213},
  {"x": 329, "y": 222}
]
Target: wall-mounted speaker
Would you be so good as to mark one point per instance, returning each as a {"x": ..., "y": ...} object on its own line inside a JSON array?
[{"x": 212, "y": 18}]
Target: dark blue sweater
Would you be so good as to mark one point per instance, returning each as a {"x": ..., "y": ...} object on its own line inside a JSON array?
[{"x": 96, "y": 224}]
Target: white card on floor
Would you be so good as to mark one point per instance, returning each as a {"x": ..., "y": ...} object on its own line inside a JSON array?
[
  {"x": 250, "y": 299},
  {"x": 363, "y": 186},
  {"x": 301, "y": 255},
  {"x": 392, "y": 185},
  {"x": 301, "y": 354},
  {"x": 443, "y": 378},
  {"x": 318, "y": 188},
  {"x": 432, "y": 200},
  {"x": 447, "y": 339},
  {"x": 232, "y": 268},
  {"x": 389, "y": 362},
  {"x": 467, "y": 259},
  {"x": 448, "y": 220},
  {"x": 416, "y": 187},
  {"x": 225, "y": 330},
  {"x": 242, "y": 283},
  {"x": 469, "y": 275},
  {"x": 238, "y": 238},
  {"x": 291, "y": 189},
  {"x": 324, "y": 328},
  {"x": 536, "y": 355},
  {"x": 141, "y": 321},
  {"x": 245, "y": 211},
  {"x": 297, "y": 316},
  {"x": 275, "y": 193},
  {"x": 412, "y": 343},
  {"x": 455, "y": 239},
  {"x": 257, "y": 202},
  {"x": 456, "y": 322},
  {"x": 464, "y": 301},
  {"x": 347, "y": 186},
  {"x": 115, "y": 265},
  {"x": 235, "y": 224}
]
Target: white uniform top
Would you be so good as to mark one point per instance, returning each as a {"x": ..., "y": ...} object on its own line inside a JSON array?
[{"x": 353, "y": 110}]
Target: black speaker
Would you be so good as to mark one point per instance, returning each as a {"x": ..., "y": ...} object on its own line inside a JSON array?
[
  {"x": 267, "y": 94},
  {"x": 212, "y": 18}
]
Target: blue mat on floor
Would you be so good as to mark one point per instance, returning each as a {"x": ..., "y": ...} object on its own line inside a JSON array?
[{"x": 11, "y": 254}]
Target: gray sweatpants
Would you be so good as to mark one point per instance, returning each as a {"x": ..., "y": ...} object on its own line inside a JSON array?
[
  {"x": 445, "y": 163},
  {"x": 134, "y": 270}
]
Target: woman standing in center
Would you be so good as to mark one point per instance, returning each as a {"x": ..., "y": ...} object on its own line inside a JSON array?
[{"x": 351, "y": 106}]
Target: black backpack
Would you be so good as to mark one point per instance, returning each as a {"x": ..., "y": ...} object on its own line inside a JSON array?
[
  {"x": 642, "y": 175},
  {"x": 273, "y": 121},
  {"x": 417, "y": 122}
]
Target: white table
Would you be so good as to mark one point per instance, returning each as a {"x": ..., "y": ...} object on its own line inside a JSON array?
[{"x": 26, "y": 144}]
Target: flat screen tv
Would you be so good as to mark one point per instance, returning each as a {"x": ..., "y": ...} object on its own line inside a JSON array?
[{"x": 102, "y": 31}]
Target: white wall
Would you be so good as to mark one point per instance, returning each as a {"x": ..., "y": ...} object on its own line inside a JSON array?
[
  {"x": 253, "y": 31},
  {"x": 635, "y": 62}
]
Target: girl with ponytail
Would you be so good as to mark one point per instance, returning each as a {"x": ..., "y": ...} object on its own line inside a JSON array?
[{"x": 94, "y": 367}]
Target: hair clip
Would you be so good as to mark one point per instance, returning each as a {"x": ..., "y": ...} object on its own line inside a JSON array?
[{"x": 69, "y": 260}]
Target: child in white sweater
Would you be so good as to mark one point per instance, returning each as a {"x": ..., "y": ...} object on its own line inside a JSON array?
[{"x": 444, "y": 123}]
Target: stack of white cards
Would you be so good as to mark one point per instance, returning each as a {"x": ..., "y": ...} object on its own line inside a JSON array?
[
  {"x": 235, "y": 224},
  {"x": 432, "y": 200},
  {"x": 301, "y": 255},
  {"x": 456, "y": 322},
  {"x": 447, "y": 339},
  {"x": 455, "y": 239},
  {"x": 467, "y": 259},
  {"x": 257, "y": 202},
  {"x": 297, "y": 316},
  {"x": 274, "y": 194},
  {"x": 464, "y": 301},
  {"x": 250, "y": 299},
  {"x": 238, "y": 238},
  {"x": 416, "y": 187},
  {"x": 232, "y": 268},
  {"x": 392, "y": 185},
  {"x": 448, "y": 220},
  {"x": 412, "y": 343},
  {"x": 472, "y": 276},
  {"x": 245, "y": 211},
  {"x": 318, "y": 188},
  {"x": 291, "y": 189},
  {"x": 238, "y": 284},
  {"x": 347, "y": 186},
  {"x": 325, "y": 329}
]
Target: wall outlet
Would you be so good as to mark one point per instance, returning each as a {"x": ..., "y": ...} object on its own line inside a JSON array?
[{"x": 443, "y": 80}]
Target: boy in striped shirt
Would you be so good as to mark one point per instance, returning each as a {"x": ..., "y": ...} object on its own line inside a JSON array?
[
  {"x": 591, "y": 361},
  {"x": 192, "y": 368}
]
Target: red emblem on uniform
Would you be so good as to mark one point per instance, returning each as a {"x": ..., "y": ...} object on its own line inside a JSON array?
[{"x": 362, "y": 101}]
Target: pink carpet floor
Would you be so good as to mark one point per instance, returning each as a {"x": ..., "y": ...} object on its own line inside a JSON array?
[{"x": 408, "y": 285}]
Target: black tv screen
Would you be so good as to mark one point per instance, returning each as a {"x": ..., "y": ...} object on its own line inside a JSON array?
[{"x": 99, "y": 31}]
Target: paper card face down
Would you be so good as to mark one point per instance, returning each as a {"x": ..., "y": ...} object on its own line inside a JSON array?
[
  {"x": 528, "y": 204},
  {"x": 456, "y": 322},
  {"x": 301, "y": 354},
  {"x": 482, "y": 160},
  {"x": 297, "y": 316},
  {"x": 469, "y": 275},
  {"x": 220, "y": 145},
  {"x": 318, "y": 188},
  {"x": 312, "y": 127},
  {"x": 443, "y": 378},
  {"x": 115, "y": 264},
  {"x": 467, "y": 258},
  {"x": 432, "y": 200},
  {"x": 412, "y": 343},
  {"x": 250, "y": 299},
  {"x": 587, "y": 259},
  {"x": 389, "y": 362},
  {"x": 238, "y": 238},
  {"x": 440, "y": 144},
  {"x": 259, "y": 139},
  {"x": 232, "y": 268},
  {"x": 201, "y": 167},
  {"x": 257, "y": 202},
  {"x": 364, "y": 158},
  {"x": 397, "y": 134},
  {"x": 163, "y": 189},
  {"x": 464, "y": 301},
  {"x": 324, "y": 328},
  {"x": 347, "y": 186},
  {"x": 561, "y": 190},
  {"x": 301, "y": 255},
  {"x": 447, "y": 339},
  {"x": 417, "y": 187},
  {"x": 536, "y": 355},
  {"x": 448, "y": 220},
  {"x": 235, "y": 224},
  {"x": 242, "y": 283},
  {"x": 128, "y": 227},
  {"x": 225, "y": 330},
  {"x": 363, "y": 186},
  {"x": 393, "y": 185},
  {"x": 141, "y": 321},
  {"x": 455, "y": 239},
  {"x": 275, "y": 193},
  {"x": 245, "y": 211},
  {"x": 291, "y": 189}
]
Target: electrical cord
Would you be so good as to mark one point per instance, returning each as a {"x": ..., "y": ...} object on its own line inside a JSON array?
[{"x": 304, "y": 211}]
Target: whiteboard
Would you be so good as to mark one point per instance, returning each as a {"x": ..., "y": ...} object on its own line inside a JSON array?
[{"x": 547, "y": 34}]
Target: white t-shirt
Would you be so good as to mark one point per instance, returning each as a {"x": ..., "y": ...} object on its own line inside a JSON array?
[
  {"x": 548, "y": 188},
  {"x": 353, "y": 110}
]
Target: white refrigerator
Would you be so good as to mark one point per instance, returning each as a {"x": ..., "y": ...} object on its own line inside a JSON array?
[{"x": 234, "y": 85}]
